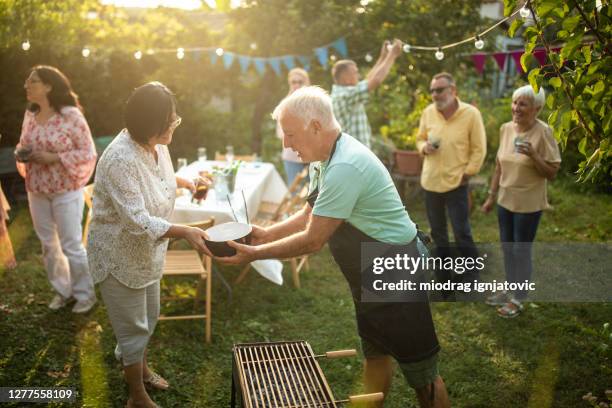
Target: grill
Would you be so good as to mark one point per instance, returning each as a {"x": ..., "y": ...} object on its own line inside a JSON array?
[{"x": 285, "y": 375}]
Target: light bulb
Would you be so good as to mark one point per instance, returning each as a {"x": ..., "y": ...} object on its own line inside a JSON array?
[
  {"x": 364, "y": 2},
  {"x": 332, "y": 57},
  {"x": 253, "y": 46},
  {"x": 180, "y": 53},
  {"x": 25, "y": 45},
  {"x": 368, "y": 58},
  {"x": 219, "y": 51},
  {"x": 406, "y": 48},
  {"x": 138, "y": 54},
  {"x": 411, "y": 67},
  {"x": 525, "y": 12},
  {"x": 360, "y": 10},
  {"x": 150, "y": 51},
  {"x": 479, "y": 43},
  {"x": 439, "y": 54},
  {"x": 85, "y": 52}
]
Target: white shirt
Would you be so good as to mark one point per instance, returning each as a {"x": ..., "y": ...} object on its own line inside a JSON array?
[{"x": 133, "y": 198}]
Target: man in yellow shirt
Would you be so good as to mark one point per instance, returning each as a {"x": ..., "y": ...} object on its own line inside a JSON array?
[{"x": 453, "y": 142}]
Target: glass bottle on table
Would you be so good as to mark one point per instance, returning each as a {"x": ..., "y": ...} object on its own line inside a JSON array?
[
  {"x": 180, "y": 163},
  {"x": 229, "y": 153},
  {"x": 202, "y": 154}
]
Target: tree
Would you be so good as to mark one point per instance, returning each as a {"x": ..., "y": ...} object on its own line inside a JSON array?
[{"x": 579, "y": 76}]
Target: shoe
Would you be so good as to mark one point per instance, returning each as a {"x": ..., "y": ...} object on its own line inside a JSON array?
[
  {"x": 498, "y": 299},
  {"x": 156, "y": 381},
  {"x": 58, "y": 302},
  {"x": 511, "y": 309},
  {"x": 84, "y": 306}
]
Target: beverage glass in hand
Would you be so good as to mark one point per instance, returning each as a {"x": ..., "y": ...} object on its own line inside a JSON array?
[
  {"x": 519, "y": 141},
  {"x": 434, "y": 141},
  {"x": 22, "y": 154}
]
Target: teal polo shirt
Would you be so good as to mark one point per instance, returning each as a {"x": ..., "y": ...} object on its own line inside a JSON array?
[{"x": 355, "y": 186}]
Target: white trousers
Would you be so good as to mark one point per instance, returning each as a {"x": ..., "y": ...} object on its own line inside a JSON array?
[{"x": 57, "y": 222}]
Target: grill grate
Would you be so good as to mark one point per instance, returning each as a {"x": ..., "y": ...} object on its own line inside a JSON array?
[{"x": 281, "y": 375}]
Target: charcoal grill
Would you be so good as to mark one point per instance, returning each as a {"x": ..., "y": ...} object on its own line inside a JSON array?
[{"x": 285, "y": 375}]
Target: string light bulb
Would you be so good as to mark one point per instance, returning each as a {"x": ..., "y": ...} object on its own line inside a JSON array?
[
  {"x": 85, "y": 52},
  {"x": 253, "y": 46},
  {"x": 439, "y": 54},
  {"x": 180, "y": 53},
  {"x": 138, "y": 54},
  {"x": 219, "y": 51},
  {"x": 332, "y": 58},
  {"x": 368, "y": 57},
  {"x": 406, "y": 48},
  {"x": 150, "y": 51},
  {"x": 525, "y": 12},
  {"x": 25, "y": 45},
  {"x": 479, "y": 43}
]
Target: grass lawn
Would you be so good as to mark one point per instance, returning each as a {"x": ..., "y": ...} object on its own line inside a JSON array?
[{"x": 548, "y": 357}]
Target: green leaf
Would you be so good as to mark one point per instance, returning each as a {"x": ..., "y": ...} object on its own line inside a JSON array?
[
  {"x": 571, "y": 23},
  {"x": 582, "y": 146},
  {"x": 594, "y": 67},
  {"x": 546, "y": 7},
  {"x": 516, "y": 24},
  {"x": 562, "y": 34},
  {"x": 555, "y": 82},
  {"x": 533, "y": 79},
  {"x": 599, "y": 87},
  {"x": 525, "y": 58},
  {"x": 509, "y": 6},
  {"x": 550, "y": 100}
]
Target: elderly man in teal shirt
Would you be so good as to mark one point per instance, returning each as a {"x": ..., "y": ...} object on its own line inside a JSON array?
[{"x": 353, "y": 201}]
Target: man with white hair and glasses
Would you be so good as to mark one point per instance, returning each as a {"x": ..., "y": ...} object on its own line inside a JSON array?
[
  {"x": 452, "y": 140},
  {"x": 352, "y": 200}
]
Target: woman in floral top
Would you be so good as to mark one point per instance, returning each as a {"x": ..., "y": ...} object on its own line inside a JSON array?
[
  {"x": 134, "y": 193},
  {"x": 56, "y": 155}
]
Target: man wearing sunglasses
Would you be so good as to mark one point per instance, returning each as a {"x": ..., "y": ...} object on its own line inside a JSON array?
[
  {"x": 349, "y": 94},
  {"x": 453, "y": 142}
]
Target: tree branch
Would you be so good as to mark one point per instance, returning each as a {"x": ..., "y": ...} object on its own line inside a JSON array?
[{"x": 593, "y": 29}]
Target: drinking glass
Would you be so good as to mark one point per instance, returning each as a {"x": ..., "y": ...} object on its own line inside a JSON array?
[
  {"x": 202, "y": 154},
  {"x": 180, "y": 163}
]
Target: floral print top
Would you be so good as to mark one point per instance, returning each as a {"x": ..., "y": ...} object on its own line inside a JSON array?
[
  {"x": 67, "y": 134},
  {"x": 132, "y": 199}
]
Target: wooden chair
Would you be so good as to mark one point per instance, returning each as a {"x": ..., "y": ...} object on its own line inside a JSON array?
[
  {"x": 274, "y": 211},
  {"x": 245, "y": 158},
  {"x": 181, "y": 263},
  {"x": 294, "y": 204},
  {"x": 88, "y": 196}
]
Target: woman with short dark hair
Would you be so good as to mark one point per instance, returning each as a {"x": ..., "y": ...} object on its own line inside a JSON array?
[
  {"x": 134, "y": 193},
  {"x": 56, "y": 155}
]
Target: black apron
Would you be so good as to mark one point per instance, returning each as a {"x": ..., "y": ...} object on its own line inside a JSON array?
[{"x": 402, "y": 330}]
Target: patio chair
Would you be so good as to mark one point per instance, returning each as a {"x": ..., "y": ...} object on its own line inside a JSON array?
[
  {"x": 294, "y": 204},
  {"x": 190, "y": 263},
  {"x": 274, "y": 211},
  {"x": 88, "y": 197},
  {"x": 244, "y": 158}
]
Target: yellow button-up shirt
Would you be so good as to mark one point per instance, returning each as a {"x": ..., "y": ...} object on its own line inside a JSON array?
[{"x": 462, "y": 146}]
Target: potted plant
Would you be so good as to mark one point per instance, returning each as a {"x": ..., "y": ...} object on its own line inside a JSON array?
[{"x": 402, "y": 131}]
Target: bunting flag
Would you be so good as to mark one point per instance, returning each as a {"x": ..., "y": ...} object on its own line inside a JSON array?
[
  {"x": 228, "y": 59},
  {"x": 305, "y": 61},
  {"x": 260, "y": 65},
  {"x": 275, "y": 64},
  {"x": 321, "y": 54},
  {"x": 479, "y": 61},
  {"x": 540, "y": 55},
  {"x": 244, "y": 63},
  {"x": 516, "y": 56},
  {"x": 340, "y": 46},
  {"x": 289, "y": 61},
  {"x": 213, "y": 57},
  {"x": 500, "y": 58},
  {"x": 197, "y": 55}
]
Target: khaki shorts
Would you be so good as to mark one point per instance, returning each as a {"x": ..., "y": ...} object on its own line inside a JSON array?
[{"x": 418, "y": 374}]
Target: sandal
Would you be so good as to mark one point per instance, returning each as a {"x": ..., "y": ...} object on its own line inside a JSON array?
[
  {"x": 156, "y": 381},
  {"x": 511, "y": 309},
  {"x": 497, "y": 299}
]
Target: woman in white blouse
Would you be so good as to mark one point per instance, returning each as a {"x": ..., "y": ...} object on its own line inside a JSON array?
[{"x": 134, "y": 195}]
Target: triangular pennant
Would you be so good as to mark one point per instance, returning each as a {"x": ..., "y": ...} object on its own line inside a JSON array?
[
  {"x": 479, "y": 61},
  {"x": 275, "y": 63},
  {"x": 197, "y": 54},
  {"x": 289, "y": 61},
  {"x": 516, "y": 56},
  {"x": 213, "y": 57},
  {"x": 340, "y": 45},
  {"x": 540, "y": 55},
  {"x": 321, "y": 54},
  {"x": 305, "y": 61},
  {"x": 260, "y": 65},
  {"x": 244, "y": 62},
  {"x": 228, "y": 59},
  {"x": 500, "y": 58}
]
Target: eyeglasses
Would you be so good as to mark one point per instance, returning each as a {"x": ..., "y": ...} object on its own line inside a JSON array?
[
  {"x": 298, "y": 82},
  {"x": 176, "y": 123},
  {"x": 438, "y": 90}
]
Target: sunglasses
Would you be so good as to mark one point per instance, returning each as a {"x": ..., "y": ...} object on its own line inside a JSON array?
[{"x": 438, "y": 90}]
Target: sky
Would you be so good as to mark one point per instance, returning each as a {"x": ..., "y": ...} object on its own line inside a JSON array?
[{"x": 183, "y": 4}]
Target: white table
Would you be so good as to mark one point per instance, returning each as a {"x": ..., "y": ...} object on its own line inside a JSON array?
[{"x": 259, "y": 181}]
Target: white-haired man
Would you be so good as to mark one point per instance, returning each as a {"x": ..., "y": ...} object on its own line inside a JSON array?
[
  {"x": 349, "y": 94},
  {"x": 353, "y": 200}
]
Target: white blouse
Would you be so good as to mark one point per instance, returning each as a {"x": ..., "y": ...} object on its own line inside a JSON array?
[{"x": 133, "y": 198}]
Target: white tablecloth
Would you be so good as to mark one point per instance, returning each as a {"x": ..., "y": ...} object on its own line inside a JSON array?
[{"x": 259, "y": 181}]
